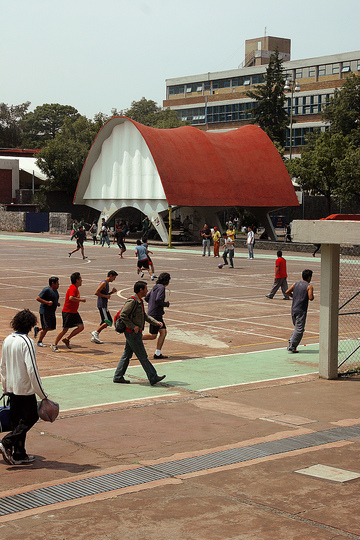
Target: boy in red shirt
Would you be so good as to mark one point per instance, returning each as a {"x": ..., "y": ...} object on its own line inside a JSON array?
[
  {"x": 70, "y": 315},
  {"x": 280, "y": 277}
]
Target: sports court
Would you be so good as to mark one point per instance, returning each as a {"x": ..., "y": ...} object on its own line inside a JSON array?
[
  {"x": 218, "y": 314},
  {"x": 215, "y": 449}
]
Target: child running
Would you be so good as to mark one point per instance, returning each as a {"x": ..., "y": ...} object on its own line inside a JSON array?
[
  {"x": 145, "y": 243},
  {"x": 143, "y": 262}
]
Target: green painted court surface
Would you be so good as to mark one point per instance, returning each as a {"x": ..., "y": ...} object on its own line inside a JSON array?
[{"x": 96, "y": 388}]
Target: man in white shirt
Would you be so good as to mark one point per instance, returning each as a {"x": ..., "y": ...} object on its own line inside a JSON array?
[
  {"x": 250, "y": 242},
  {"x": 228, "y": 249},
  {"x": 21, "y": 382}
]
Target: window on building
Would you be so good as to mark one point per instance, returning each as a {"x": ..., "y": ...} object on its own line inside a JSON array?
[
  {"x": 298, "y": 74},
  {"x": 258, "y": 79},
  {"x": 346, "y": 67},
  {"x": 199, "y": 88},
  {"x": 173, "y": 90},
  {"x": 247, "y": 81},
  {"x": 235, "y": 81},
  {"x": 322, "y": 71},
  {"x": 335, "y": 69},
  {"x": 207, "y": 85}
]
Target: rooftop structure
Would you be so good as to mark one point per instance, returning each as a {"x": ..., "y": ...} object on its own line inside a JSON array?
[{"x": 151, "y": 169}]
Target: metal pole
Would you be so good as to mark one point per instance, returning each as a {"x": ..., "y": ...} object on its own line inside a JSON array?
[
  {"x": 291, "y": 118},
  {"x": 169, "y": 209}
]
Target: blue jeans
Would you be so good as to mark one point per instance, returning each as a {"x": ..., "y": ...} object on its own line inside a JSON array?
[
  {"x": 134, "y": 344},
  {"x": 229, "y": 252},
  {"x": 251, "y": 251}
]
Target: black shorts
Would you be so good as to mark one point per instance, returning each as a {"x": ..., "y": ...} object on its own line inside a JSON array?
[
  {"x": 121, "y": 246},
  {"x": 71, "y": 319},
  {"x": 48, "y": 321},
  {"x": 143, "y": 264},
  {"x": 154, "y": 328},
  {"x": 105, "y": 316},
  {"x": 80, "y": 243}
]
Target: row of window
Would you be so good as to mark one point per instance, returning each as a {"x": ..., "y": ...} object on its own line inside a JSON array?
[
  {"x": 248, "y": 80},
  {"x": 300, "y": 135},
  {"x": 325, "y": 69},
  {"x": 210, "y": 86},
  {"x": 242, "y": 111}
]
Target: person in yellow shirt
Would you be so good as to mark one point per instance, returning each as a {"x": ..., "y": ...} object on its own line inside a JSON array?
[
  {"x": 231, "y": 232},
  {"x": 216, "y": 238}
]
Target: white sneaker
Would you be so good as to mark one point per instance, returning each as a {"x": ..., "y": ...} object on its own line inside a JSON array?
[
  {"x": 142, "y": 274},
  {"x": 152, "y": 278},
  {"x": 54, "y": 348},
  {"x": 95, "y": 337},
  {"x": 41, "y": 344}
]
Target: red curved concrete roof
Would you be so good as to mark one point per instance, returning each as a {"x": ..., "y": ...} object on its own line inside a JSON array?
[
  {"x": 240, "y": 167},
  {"x": 197, "y": 168}
]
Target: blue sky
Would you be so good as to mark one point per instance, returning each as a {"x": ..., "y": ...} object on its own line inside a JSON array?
[{"x": 99, "y": 55}]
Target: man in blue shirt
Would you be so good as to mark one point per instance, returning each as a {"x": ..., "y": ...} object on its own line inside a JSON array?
[
  {"x": 141, "y": 253},
  {"x": 49, "y": 301}
]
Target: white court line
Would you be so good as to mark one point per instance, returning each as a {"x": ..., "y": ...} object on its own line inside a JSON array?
[
  {"x": 117, "y": 402},
  {"x": 256, "y": 382}
]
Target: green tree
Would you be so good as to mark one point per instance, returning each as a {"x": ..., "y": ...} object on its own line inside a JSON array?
[
  {"x": 45, "y": 122},
  {"x": 147, "y": 112},
  {"x": 348, "y": 173},
  {"x": 10, "y": 124},
  {"x": 343, "y": 111},
  {"x": 63, "y": 158},
  {"x": 318, "y": 168},
  {"x": 269, "y": 113}
]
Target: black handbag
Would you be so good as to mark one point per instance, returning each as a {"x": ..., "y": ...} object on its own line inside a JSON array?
[{"x": 5, "y": 422}]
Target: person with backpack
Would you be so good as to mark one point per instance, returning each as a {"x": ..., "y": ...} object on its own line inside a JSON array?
[
  {"x": 133, "y": 315},
  {"x": 21, "y": 382}
]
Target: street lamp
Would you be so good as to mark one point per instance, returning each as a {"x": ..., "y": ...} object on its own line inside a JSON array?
[{"x": 294, "y": 87}]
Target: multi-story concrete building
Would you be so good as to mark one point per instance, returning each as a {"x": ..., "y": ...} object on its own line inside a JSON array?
[{"x": 218, "y": 101}]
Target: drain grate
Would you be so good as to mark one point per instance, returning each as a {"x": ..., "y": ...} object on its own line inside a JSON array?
[{"x": 38, "y": 498}]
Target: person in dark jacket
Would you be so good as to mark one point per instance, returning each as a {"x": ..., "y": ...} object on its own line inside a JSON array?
[
  {"x": 156, "y": 300},
  {"x": 80, "y": 236},
  {"x": 134, "y": 317}
]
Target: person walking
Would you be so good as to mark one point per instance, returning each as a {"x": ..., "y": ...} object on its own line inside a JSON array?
[
  {"x": 301, "y": 292},
  {"x": 93, "y": 230},
  {"x": 104, "y": 294},
  {"x": 156, "y": 300},
  {"x": 104, "y": 233},
  {"x": 216, "y": 239},
  {"x": 250, "y": 243},
  {"x": 317, "y": 248},
  {"x": 80, "y": 236},
  {"x": 49, "y": 301},
  {"x": 228, "y": 250},
  {"x": 280, "y": 277},
  {"x": 21, "y": 382},
  {"x": 70, "y": 315},
  {"x": 119, "y": 237},
  {"x": 205, "y": 233},
  {"x": 134, "y": 317}
]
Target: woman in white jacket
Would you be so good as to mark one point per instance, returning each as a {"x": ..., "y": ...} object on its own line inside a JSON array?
[{"x": 20, "y": 381}]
